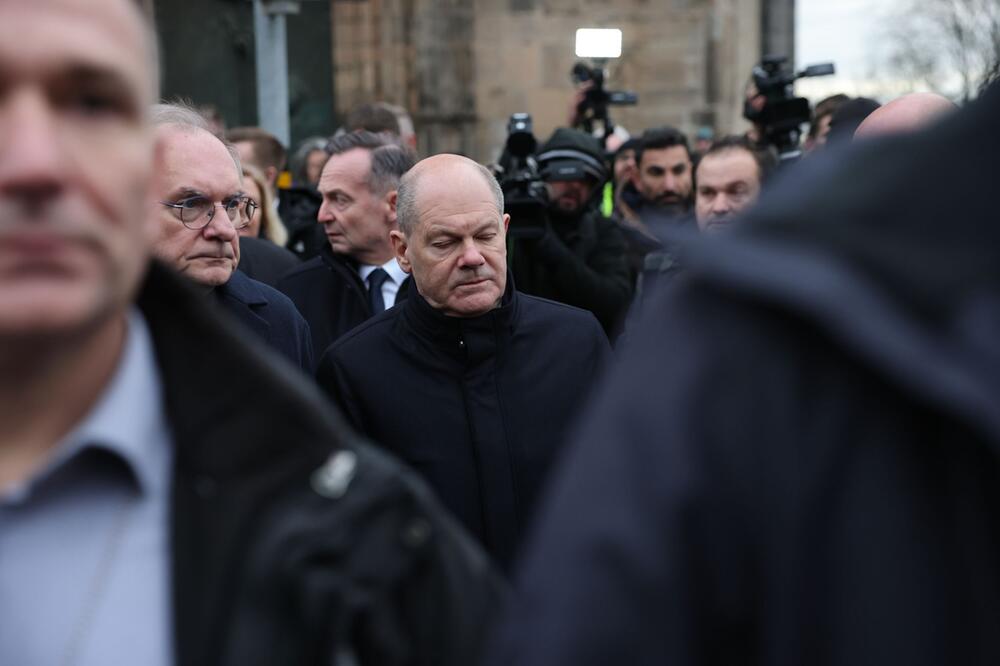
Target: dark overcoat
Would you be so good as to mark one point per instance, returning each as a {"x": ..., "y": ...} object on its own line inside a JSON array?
[
  {"x": 798, "y": 461},
  {"x": 264, "y": 261},
  {"x": 270, "y": 315},
  {"x": 291, "y": 539},
  {"x": 329, "y": 293},
  {"x": 480, "y": 406}
]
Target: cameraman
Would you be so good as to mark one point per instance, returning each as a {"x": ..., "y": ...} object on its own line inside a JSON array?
[{"x": 579, "y": 258}]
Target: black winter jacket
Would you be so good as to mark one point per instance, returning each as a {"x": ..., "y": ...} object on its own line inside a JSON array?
[
  {"x": 292, "y": 540},
  {"x": 579, "y": 261},
  {"x": 798, "y": 461},
  {"x": 479, "y": 406},
  {"x": 329, "y": 293}
]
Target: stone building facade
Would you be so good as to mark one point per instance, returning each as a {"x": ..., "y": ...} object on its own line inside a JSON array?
[{"x": 463, "y": 66}]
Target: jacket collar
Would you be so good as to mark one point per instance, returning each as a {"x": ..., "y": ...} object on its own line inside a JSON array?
[
  {"x": 467, "y": 339},
  {"x": 244, "y": 289}
]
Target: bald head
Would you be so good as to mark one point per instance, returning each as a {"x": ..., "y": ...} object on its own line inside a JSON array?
[
  {"x": 908, "y": 113},
  {"x": 441, "y": 176}
]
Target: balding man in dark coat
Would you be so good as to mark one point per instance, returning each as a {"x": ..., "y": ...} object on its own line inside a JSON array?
[{"x": 469, "y": 381}]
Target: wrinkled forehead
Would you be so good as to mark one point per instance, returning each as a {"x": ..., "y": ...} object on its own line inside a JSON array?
[
  {"x": 41, "y": 38},
  {"x": 194, "y": 160}
]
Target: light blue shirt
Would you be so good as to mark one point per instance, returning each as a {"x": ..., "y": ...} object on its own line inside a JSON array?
[
  {"x": 84, "y": 543},
  {"x": 391, "y": 286}
]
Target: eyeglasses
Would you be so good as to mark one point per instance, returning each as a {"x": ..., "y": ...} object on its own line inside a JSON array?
[{"x": 197, "y": 212}]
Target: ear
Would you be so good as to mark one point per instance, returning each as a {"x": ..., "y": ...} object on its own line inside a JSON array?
[
  {"x": 399, "y": 246},
  {"x": 506, "y": 222},
  {"x": 271, "y": 174},
  {"x": 390, "y": 200}
]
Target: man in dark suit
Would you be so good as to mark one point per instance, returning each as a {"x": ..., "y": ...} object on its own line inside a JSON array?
[
  {"x": 167, "y": 494},
  {"x": 201, "y": 206},
  {"x": 356, "y": 275},
  {"x": 469, "y": 381}
]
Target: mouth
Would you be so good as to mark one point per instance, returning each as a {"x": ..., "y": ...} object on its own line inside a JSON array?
[{"x": 473, "y": 283}]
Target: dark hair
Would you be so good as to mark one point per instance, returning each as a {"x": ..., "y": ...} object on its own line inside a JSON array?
[
  {"x": 825, "y": 107},
  {"x": 764, "y": 159},
  {"x": 390, "y": 160},
  {"x": 267, "y": 150},
  {"x": 372, "y": 118},
  {"x": 659, "y": 138}
]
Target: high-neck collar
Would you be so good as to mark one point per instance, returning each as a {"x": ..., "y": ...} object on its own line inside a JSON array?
[{"x": 463, "y": 337}]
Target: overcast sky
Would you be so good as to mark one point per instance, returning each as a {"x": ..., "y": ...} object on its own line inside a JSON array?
[{"x": 846, "y": 32}]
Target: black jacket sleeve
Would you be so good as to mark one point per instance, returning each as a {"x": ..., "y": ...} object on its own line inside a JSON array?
[{"x": 598, "y": 281}]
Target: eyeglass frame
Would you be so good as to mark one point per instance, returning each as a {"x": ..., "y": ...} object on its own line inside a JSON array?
[{"x": 249, "y": 209}]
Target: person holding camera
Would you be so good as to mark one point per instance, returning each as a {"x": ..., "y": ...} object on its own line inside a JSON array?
[{"x": 578, "y": 257}]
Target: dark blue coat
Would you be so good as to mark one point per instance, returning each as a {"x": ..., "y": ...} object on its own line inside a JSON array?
[
  {"x": 270, "y": 315},
  {"x": 329, "y": 293},
  {"x": 479, "y": 406},
  {"x": 798, "y": 460}
]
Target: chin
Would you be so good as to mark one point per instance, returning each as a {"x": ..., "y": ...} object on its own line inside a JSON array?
[
  {"x": 211, "y": 277},
  {"x": 476, "y": 304},
  {"x": 54, "y": 310}
]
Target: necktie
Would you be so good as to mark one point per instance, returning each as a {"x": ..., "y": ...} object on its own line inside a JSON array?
[{"x": 375, "y": 280}]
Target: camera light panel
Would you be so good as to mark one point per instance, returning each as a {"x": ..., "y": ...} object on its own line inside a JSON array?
[{"x": 598, "y": 43}]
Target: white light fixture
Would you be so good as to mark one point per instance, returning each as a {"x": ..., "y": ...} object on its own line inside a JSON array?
[{"x": 598, "y": 43}]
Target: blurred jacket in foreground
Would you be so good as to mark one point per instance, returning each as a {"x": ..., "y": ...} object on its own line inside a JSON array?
[{"x": 797, "y": 462}]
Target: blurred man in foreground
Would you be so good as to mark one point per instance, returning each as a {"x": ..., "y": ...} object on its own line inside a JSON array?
[
  {"x": 798, "y": 461},
  {"x": 167, "y": 495}
]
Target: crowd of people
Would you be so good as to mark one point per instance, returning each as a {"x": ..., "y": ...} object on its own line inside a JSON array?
[{"x": 700, "y": 408}]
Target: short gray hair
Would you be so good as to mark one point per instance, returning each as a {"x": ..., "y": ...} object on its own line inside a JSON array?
[
  {"x": 180, "y": 114},
  {"x": 407, "y": 213}
]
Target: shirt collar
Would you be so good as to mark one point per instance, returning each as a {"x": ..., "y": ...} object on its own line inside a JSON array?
[
  {"x": 128, "y": 419},
  {"x": 396, "y": 274}
]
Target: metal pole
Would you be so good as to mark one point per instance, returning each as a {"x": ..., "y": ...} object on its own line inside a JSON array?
[{"x": 272, "y": 65}]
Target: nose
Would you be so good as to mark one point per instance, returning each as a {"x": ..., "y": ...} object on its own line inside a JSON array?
[
  {"x": 220, "y": 227},
  {"x": 32, "y": 159},
  {"x": 324, "y": 216},
  {"x": 721, "y": 205},
  {"x": 471, "y": 257}
]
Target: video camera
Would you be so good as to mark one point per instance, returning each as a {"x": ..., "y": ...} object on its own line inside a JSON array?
[
  {"x": 594, "y": 106},
  {"x": 783, "y": 113},
  {"x": 525, "y": 196}
]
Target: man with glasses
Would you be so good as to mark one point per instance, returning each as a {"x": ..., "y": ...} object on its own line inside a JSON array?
[{"x": 202, "y": 207}]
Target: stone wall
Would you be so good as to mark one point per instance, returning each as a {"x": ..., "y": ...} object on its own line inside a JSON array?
[{"x": 462, "y": 67}]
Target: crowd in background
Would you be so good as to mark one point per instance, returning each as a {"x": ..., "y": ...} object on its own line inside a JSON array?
[{"x": 634, "y": 399}]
